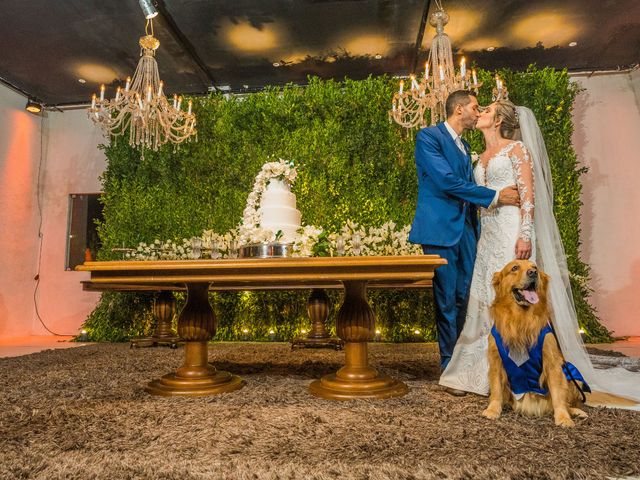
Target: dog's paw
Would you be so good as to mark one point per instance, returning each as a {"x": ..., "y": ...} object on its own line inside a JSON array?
[
  {"x": 491, "y": 413},
  {"x": 564, "y": 421},
  {"x": 576, "y": 412}
]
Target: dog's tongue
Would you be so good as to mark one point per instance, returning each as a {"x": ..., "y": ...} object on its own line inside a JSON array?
[{"x": 530, "y": 296}]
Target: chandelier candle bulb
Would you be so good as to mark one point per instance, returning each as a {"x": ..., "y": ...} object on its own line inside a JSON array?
[
  {"x": 426, "y": 71},
  {"x": 475, "y": 78},
  {"x": 414, "y": 84},
  {"x": 190, "y": 103},
  {"x": 93, "y": 101},
  {"x": 118, "y": 90},
  {"x": 160, "y": 89},
  {"x": 441, "y": 73},
  {"x": 128, "y": 85},
  {"x": 179, "y": 103},
  {"x": 175, "y": 101},
  {"x": 463, "y": 68},
  {"x": 401, "y": 86},
  {"x": 149, "y": 94},
  {"x": 139, "y": 101},
  {"x": 102, "y": 92}
]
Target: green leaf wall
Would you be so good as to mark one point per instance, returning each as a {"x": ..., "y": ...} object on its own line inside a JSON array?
[{"x": 353, "y": 164}]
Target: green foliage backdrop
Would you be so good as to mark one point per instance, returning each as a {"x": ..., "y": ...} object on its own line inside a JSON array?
[{"x": 353, "y": 164}]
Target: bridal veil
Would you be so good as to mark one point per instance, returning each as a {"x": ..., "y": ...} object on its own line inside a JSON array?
[{"x": 551, "y": 258}]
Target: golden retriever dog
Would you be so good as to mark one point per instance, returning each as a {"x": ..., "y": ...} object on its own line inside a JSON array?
[{"x": 521, "y": 312}]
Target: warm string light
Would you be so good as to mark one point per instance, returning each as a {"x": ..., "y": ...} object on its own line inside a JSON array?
[{"x": 142, "y": 108}]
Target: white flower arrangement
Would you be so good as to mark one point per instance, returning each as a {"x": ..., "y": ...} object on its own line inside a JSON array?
[
  {"x": 250, "y": 230},
  {"x": 307, "y": 238},
  {"x": 351, "y": 240},
  {"x": 158, "y": 250}
]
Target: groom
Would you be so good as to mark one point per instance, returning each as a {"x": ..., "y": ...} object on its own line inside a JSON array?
[{"x": 446, "y": 221}]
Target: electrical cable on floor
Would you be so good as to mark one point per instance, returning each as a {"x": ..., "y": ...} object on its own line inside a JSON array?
[{"x": 40, "y": 236}]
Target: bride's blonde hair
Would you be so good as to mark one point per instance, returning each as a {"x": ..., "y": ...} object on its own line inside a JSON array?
[{"x": 510, "y": 127}]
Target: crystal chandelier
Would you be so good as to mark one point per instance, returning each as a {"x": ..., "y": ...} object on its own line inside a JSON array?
[
  {"x": 142, "y": 107},
  {"x": 427, "y": 95}
]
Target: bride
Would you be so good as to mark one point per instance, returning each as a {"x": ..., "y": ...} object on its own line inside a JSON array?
[{"x": 516, "y": 154}]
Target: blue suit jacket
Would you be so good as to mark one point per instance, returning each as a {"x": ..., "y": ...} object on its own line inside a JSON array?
[{"x": 446, "y": 189}]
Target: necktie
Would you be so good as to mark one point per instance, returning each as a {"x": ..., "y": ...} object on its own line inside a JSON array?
[{"x": 460, "y": 145}]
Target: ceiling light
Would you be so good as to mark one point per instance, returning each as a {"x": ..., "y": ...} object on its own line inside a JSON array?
[
  {"x": 96, "y": 73},
  {"x": 550, "y": 27},
  {"x": 82, "y": 80},
  {"x": 148, "y": 9},
  {"x": 141, "y": 110},
  {"x": 490, "y": 49},
  {"x": 367, "y": 44},
  {"x": 249, "y": 38},
  {"x": 378, "y": 56},
  {"x": 424, "y": 99},
  {"x": 33, "y": 106},
  {"x": 573, "y": 44},
  {"x": 276, "y": 64}
]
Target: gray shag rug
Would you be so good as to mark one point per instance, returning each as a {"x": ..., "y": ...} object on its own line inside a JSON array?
[{"x": 82, "y": 413}]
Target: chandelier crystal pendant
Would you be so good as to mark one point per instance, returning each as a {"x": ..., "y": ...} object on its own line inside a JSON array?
[
  {"x": 428, "y": 94},
  {"x": 142, "y": 108}
]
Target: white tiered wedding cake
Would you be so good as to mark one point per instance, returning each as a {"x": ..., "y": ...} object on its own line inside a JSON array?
[{"x": 278, "y": 210}]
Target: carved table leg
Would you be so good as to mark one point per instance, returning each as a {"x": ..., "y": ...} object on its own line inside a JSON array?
[
  {"x": 196, "y": 377},
  {"x": 164, "y": 308},
  {"x": 355, "y": 324},
  {"x": 318, "y": 310}
]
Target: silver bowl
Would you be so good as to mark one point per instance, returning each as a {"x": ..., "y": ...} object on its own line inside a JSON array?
[{"x": 266, "y": 250}]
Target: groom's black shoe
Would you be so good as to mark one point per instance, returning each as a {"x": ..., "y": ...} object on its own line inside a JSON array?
[{"x": 455, "y": 392}]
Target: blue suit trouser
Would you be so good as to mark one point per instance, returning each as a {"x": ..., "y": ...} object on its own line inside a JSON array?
[{"x": 451, "y": 284}]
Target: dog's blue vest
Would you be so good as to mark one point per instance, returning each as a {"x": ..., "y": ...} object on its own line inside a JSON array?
[{"x": 526, "y": 377}]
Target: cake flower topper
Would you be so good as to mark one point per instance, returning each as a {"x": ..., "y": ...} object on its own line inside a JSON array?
[{"x": 250, "y": 230}]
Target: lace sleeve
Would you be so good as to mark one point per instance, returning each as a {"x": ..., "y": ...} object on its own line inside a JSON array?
[{"x": 523, "y": 168}]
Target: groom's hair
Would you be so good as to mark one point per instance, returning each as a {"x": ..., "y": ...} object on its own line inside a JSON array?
[{"x": 459, "y": 97}]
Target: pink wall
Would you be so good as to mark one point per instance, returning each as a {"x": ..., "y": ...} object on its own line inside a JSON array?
[
  {"x": 73, "y": 165},
  {"x": 607, "y": 141},
  {"x": 64, "y": 145},
  {"x": 19, "y": 157}
]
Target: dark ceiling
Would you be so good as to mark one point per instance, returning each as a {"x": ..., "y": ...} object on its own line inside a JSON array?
[{"x": 47, "y": 46}]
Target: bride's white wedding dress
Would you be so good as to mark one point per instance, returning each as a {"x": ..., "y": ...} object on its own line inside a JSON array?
[
  {"x": 529, "y": 168},
  {"x": 500, "y": 229}
]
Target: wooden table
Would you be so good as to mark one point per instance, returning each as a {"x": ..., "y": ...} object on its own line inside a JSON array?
[{"x": 355, "y": 321}]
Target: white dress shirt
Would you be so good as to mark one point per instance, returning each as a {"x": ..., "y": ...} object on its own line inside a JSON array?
[
  {"x": 458, "y": 141},
  {"x": 456, "y": 138}
]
